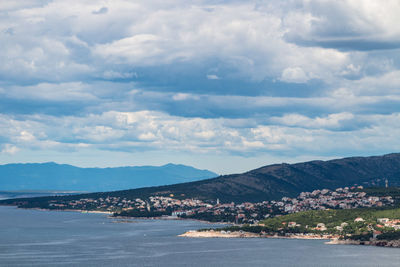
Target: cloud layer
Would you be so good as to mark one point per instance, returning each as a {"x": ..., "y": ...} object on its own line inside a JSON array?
[{"x": 228, "y": 79}]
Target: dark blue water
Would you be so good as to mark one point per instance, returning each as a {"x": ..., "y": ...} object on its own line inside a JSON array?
[{"x": 41, "y": 238}]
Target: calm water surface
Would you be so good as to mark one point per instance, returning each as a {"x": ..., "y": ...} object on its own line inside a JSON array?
[{"x": 42, "y": 238}]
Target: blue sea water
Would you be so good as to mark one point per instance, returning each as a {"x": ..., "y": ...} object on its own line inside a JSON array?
[{"x": 44, "y": 238}]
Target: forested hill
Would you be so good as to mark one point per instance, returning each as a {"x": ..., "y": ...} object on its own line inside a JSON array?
[
  {"x": 62, "y": 177},
  {"x": 278, "y": 180}
]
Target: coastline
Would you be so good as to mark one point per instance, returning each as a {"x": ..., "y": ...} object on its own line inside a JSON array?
[
  {"x": 218, "y": 234},
  {"x": 121, "y": 217},
  {"x": 331, "y": 239},
  {"x": 377, "y": 243},
  {"x": 235, "y": 234},
  {"x": 67, "y": 210}
]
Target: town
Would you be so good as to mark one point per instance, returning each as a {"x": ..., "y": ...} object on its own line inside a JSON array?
[{"x": 241, "y": 213}]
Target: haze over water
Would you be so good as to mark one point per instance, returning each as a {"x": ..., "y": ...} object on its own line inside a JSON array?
[{"x": 42, "y": 238}]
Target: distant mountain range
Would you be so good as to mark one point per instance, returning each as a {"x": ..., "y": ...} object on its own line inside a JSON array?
[
  {"x": 29, "y": 194},
  {"x": 275, "y": 181},
  {"x": 53, "y": 176}
]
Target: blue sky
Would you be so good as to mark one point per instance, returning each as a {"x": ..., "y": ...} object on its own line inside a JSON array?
[{"x": 223, "y": 85}]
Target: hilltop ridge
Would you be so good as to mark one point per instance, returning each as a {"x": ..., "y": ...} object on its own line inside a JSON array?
[{"x": 278, "y": 180}]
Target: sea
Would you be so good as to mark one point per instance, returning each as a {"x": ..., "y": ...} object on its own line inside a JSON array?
[{"x": 55, "y": 238}]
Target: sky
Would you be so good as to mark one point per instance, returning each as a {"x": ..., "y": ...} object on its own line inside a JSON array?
[{"x": 221, "y": 85}]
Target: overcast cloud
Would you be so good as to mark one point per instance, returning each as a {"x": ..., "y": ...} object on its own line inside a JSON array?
[{"x": 84, "y": 81}]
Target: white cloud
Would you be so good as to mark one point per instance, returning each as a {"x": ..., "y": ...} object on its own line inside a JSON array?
[
  {"x": 294, "y": 75},
  {"x": 102, "y": 10},
  {"x": 147, "y": 130},
  {"x": 26, "y": 136},
  {"x": 51, "y": 91},
  {"x": 332, "y": 121},
  {"x": 54, "y": 52},
  {"x": 205, "y": 134},
  {"x": 97, "y": 133},
  {"x": 147, "y": 136},
  {"x": 110, "y": 74},
  {"x": 182, "y": 96},
  {"x": 385, "y": 84},
  {"x": 349, "y": 24},
  {"x": 212, "y": 77},
  {"x": 236, "y": 34},
  {"x": 66, "y": 41},
  {"x": 137, "y": 49},
  {"x": 14, "y": 5},
  {"x": 9, "y": 149}
]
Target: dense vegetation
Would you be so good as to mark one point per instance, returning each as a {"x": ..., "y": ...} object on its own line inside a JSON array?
[
  {"x": 307, "y": 223},
  {"x": 143, "y": 214},
  {"x": 394, "y": 192},
  {"x": 332, "y": 218},
  {"x": 390, "y": 235},
  {"x": 209, "y": 217}
]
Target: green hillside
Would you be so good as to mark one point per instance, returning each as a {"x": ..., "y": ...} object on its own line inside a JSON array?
[
  {"x": 355, "y": 224},
  {"x": 331, "y": 218}
]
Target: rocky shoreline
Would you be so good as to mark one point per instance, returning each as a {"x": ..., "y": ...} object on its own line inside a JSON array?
[
  {"x": 377, "y": 243},
  {"x": 218, "y": 234},
  {"x": 242, "y": 234},
  {"x": 333, "y": 240}
]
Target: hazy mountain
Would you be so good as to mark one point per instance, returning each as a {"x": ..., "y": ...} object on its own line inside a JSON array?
[{"x": 52, "y": 176}]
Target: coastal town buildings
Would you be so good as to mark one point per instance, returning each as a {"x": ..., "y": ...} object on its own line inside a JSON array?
[{"x": 247, "y": 212}]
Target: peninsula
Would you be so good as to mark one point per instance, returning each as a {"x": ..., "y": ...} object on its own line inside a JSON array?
[{"x": 366, "y": 226}]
